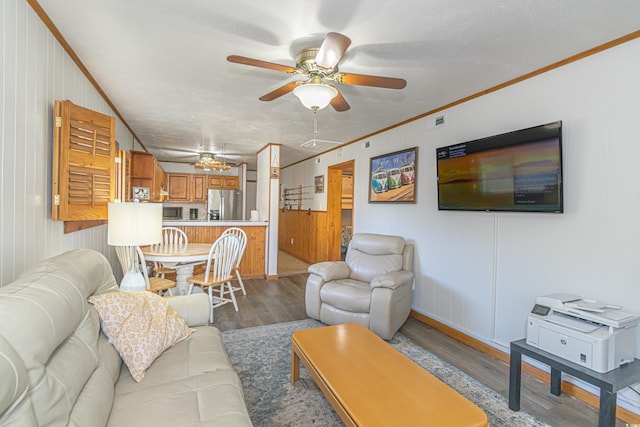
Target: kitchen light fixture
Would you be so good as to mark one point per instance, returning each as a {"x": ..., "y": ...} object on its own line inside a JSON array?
[
  {"x": 207, "y": 162},
  {"x": 315, "y": 95},
  {"x": 131, "y": 225}
]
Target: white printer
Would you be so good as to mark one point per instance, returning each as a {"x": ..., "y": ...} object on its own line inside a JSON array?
[{"x": 590, "y": 333}]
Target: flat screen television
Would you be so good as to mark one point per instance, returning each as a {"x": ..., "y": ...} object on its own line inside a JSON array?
[{"x": 519, "y": 171}]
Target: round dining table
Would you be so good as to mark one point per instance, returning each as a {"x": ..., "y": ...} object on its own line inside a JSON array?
[{"x": 180, "y": 257}]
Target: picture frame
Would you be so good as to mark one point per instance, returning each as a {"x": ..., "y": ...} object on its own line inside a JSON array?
[
  {"x": 318, "y": 183},
  {"x": 393, "y": 177}
]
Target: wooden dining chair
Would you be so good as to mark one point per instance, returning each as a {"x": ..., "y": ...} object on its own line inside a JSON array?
[
  {"x": 243, "y": 244},
  {"x": 218, "y": 272},
  {"x": 170, "y": 236},
  {"x": 158, "y": 285}
]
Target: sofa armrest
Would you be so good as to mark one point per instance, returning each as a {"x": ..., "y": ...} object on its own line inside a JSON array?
[
  {"x": 392, "y": 280},
  {"x": 330, "y": 270},
  {"x": 194, "y": 309}
]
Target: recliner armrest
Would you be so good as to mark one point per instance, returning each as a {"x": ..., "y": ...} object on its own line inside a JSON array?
[
  {"x": 330, "y": 270},
  {"x": 392, "y": 280}
]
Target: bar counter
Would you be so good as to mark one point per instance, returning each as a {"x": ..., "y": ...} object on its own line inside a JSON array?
[{"x": 203, "y": 231}]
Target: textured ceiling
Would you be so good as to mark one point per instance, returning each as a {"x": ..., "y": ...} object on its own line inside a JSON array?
[{"x": 163, "y": 62}]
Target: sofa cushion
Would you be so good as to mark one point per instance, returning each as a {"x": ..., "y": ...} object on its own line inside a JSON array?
[
  {"x": 193, "y": 382},
  {"x": 210, "y": 399},
  {"x": 140, "y": 325},
  {"x": 45, "y": 318},
  {"x": 202, "y": 351},
  {"x": 347, "y": 294}
]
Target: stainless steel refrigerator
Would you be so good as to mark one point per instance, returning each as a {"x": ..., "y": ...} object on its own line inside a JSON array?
[{"x": 224, "y": 204}]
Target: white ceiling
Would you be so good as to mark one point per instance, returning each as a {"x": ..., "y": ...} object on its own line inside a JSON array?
[{"x": 163, "y": 62}]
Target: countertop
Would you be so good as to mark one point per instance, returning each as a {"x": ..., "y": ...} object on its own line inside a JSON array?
[{"x": 213, "y": 223}]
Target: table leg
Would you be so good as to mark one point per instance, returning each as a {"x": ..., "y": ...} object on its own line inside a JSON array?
[
  {"x": 556, "y": 382},
  {"x": 515, "y": 375},
  {"x": 607, "y": 413},
  {"x": 183, "y": 272},
  {"x": 295, "y": 366}
]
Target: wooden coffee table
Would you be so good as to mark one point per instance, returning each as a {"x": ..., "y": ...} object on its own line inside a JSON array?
[{"x": 369, "y": 383}]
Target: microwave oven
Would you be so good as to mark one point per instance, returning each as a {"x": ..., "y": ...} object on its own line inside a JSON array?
[{"x": 171, "y": 212}]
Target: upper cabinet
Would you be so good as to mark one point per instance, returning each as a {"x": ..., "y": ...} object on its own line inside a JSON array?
[
  {"x": 224, "y": 182},
  {"x": 147, "y": 172},
  {"x": 187, "y": 187}
]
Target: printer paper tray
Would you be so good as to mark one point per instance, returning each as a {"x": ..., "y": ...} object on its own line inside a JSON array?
[{"x": 571, "y": 323}]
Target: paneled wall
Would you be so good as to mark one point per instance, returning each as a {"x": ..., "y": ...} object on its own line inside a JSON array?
[
  {"x": 303, "y": 235},
  {"x": 35, "y": 71}
]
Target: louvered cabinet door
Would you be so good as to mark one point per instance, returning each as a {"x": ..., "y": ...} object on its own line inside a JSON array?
[{"x": 84, "y": 157}]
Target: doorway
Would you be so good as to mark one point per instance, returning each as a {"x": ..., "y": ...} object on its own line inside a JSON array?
[{"x": 340, "y": 208}]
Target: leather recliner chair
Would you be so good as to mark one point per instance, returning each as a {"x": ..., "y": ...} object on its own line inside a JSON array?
[{"x": 371, "y": 287}]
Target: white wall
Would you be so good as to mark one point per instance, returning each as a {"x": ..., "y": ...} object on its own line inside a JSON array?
[
  {"x": 34, "y": 72},
  {"x": 480, "y": 272}
]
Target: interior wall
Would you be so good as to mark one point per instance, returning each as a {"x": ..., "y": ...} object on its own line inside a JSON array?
[
  {"x": 34, "y": 72},
  {"x": 480, "y": 272}
]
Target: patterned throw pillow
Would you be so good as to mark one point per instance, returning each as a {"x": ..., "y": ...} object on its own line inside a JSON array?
[{"x": 140, "y": 325}]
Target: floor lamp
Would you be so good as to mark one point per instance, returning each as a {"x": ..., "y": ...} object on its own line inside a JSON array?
[{"x": 130, "y": 225}]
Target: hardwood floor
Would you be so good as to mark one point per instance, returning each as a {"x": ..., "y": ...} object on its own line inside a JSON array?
[{"x": 282, "y": 300}]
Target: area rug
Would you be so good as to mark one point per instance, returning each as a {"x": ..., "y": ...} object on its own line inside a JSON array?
[{"x": 262, "y": 358}]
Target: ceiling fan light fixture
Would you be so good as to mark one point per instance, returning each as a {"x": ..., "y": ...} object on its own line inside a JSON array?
[
  {"x": 207, "y": 162},
  {"x": 315, "y": 96}
]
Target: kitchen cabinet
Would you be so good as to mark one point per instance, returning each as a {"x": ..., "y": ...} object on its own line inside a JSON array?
[
  {"x": 224, "y": 182},
  {"x": 188, "y": 187},
  {"x": 198, "y": 188},
  {"x": 179, "y": 186},
  {"x": 146, "y": 171}
]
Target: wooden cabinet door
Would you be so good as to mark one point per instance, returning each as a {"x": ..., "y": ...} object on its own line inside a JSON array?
[
  {"x": 179, "y": 187},
  {"x": 215, "y": 181},
  {"x": 230, "y": 182},
  {"x": 199, "y": 188},
  {"x": 142, "y": 165}
]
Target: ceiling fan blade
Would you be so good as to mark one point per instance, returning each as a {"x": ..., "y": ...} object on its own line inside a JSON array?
[
  {"x": 374, "y": 81},
  {"x": 332, "y": 49},
  {"x": 258, "y": 63},
  {"x": 339, "y": 103},
  {"x": 282, "y": 90}
]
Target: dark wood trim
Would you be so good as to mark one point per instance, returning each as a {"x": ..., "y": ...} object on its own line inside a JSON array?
[{"x": 567, "y": 387}]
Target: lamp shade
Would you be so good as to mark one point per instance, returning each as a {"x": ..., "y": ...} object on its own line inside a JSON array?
[
  {"x": 134, "y": 224},
  {"x": 315, "y": 96}
]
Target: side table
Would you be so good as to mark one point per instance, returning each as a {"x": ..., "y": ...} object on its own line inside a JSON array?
[{"x": 609, "y": 382}]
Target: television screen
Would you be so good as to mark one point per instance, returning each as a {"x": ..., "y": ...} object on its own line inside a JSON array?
[{"x": 515, "y": 171}]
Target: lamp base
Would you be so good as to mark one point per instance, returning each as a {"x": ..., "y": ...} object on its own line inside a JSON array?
[{"x": 132, "y": 282}]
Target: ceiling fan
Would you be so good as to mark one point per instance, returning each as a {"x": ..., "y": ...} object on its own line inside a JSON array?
[
  {"x": 184, "y": 155},
  {"x": 319, "y": 65}
]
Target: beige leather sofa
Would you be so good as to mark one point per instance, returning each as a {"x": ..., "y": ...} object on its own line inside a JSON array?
[
  {"x": 58, "y": 369},
  {"x": 372, "y": 286}
]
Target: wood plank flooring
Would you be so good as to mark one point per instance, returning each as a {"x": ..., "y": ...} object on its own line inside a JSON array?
[{"x": 282, "y": 300}]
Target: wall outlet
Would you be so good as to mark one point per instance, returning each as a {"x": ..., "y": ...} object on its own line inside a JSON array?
[{"x": 292, "y": 240}]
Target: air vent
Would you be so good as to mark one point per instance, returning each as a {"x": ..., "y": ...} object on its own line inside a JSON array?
[{"x": 434, "y": 122}]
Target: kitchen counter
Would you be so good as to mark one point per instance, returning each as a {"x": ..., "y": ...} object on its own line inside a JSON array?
[
  {"x": 203, "y": 231},
  {"x": 212, "y": 223}
]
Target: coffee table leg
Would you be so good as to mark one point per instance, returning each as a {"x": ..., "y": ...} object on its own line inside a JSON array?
[{"x": 295, "y": 366}]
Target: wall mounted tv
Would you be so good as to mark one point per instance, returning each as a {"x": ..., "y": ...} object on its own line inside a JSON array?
[{"x": 516, "y": 171}]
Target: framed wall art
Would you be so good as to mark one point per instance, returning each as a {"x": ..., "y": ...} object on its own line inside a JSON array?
[
  {"x": 393, "y": 177},
  {"x": 319, "y": 184}
]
